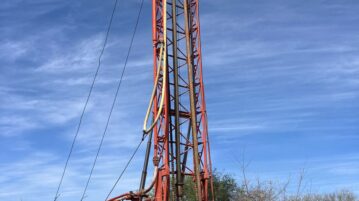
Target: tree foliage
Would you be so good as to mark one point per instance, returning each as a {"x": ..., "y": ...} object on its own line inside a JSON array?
[{"x": 225, "y": 188}]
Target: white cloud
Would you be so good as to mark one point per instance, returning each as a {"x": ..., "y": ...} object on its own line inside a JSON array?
[
  {"x": 12, "y": 50},
  {"x": 36, "y": 177}
]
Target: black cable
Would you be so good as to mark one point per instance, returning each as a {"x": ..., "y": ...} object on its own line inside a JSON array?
[
  {"x": 87, "y": 101},
  {"x": 114, "y": 100},
  {"x": 124, "y": 169}
]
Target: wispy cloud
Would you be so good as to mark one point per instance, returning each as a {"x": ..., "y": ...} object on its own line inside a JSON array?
[{"x": 281, "y": 79}]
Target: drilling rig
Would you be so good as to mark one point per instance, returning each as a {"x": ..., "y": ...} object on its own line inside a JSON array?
[{"x": 176, "y": 119}]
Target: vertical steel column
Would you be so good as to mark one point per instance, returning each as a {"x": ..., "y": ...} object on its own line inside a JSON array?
[
  {"x": 179, "y": 177},
  {"x": 145, "y": 163},
  {"x": 192, "y": 101}
]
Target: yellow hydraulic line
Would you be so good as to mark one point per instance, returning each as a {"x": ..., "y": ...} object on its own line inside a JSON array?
[
  {"x": 164, "y": 81},
  {"x": 163, "y": 51}
]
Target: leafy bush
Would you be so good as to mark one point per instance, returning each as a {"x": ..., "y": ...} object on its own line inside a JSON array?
[{"x": 225, "y": 188}]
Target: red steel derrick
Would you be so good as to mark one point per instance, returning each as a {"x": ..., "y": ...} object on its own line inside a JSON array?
[{"x": 176, "y": 119}]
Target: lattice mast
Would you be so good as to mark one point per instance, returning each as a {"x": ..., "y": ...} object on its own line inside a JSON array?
[
  {"x": 179, "y": 123},
  {"x": 182, "y": 134}
]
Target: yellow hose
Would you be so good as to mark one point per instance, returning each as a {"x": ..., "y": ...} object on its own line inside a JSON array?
[
  {"x": 163, "y": 56},
  {"x": 145, "y": 130}
]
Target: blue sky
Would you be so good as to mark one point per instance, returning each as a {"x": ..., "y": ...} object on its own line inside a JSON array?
[{"x": 282, "y": 87}]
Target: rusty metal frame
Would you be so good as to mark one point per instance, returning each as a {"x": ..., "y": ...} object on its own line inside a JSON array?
[{"x": 180, "y": 136}]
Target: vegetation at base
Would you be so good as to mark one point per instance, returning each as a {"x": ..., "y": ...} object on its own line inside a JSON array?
[{"x": 227, "y": 189}]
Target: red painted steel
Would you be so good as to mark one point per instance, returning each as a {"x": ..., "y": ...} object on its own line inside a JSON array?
[{"x": 189, "y": 60}]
